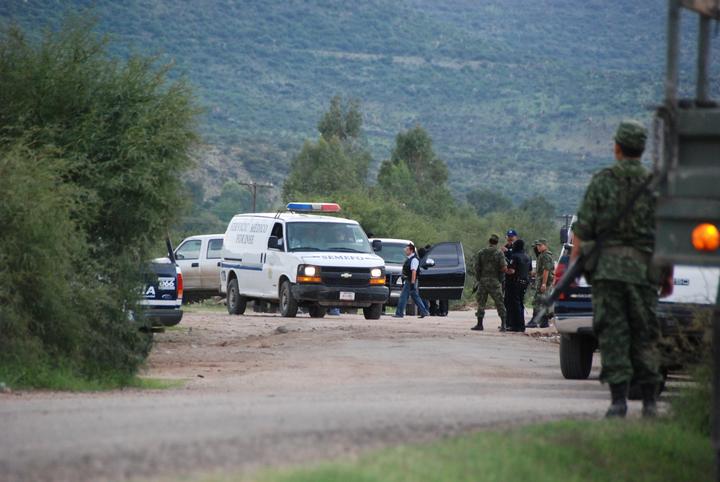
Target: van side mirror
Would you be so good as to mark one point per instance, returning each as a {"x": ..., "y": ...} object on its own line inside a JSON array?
[
  {"x": 428, "y": 263},
  {"x": 564, "y": 235},
  {"x": 274, "y": 243},
  {"x": 377, "y": 245}
]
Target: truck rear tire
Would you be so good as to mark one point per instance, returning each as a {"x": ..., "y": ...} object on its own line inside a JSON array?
[
  {"x": 288, "y": 304},
  {"x": 576, "y": 354},
  {"x": 317, "y": 311},
  {"x": 373, "y": 312},
  {"x": 236, "y": 303}
]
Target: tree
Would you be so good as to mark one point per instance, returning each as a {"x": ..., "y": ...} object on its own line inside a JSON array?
[
  {"x": 538, "y": 207},
  {"x": 414, "y": 148},
  {"x": 113, "y": 137},
  {"x": 342, "y": 120},
  {"x": 336, "y": 162},
  {"x": 415, "y": 175},
  {"x": 486, "y": 201}
]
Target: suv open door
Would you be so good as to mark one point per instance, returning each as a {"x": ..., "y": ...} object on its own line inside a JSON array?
[{"x": 442, "y": 272}]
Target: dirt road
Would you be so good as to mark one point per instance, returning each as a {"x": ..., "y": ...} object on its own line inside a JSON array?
[{"x": 269, "y": 390}]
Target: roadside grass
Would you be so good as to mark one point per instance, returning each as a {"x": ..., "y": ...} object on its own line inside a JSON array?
[
  {"x": 559, "y": 451},
  {"x": 205, "y": 305},
  {"x": 66, "y": 379}
]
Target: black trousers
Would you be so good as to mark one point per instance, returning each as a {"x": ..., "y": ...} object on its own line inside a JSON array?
[{"x": 514, "y": 297}]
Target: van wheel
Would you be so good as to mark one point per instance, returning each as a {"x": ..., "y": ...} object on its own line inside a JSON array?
[
  {"x": 236, "y": 303},
  {"x": 317, "y": 311},
  {"x": 288, "y": 305},
  {"x": 410, "y": 309},
  {"x": 576, "y": 353},
  {"x": 373, "y": 312}
]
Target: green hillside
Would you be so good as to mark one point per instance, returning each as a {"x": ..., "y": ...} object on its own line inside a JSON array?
[{"x": 518, "y": 95}]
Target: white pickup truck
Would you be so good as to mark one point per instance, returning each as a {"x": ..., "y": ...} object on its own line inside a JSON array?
[{"x": 199, "y": 259}]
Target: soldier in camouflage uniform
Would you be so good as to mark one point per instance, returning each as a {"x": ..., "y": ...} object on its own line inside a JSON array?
[
  {"x": 489, "y": 268},
  {"x": 544, "y": 273},
  {"x": 624, "y": 298}
]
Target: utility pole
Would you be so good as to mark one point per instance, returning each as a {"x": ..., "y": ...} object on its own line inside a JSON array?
[{"x": 253, "y": 186}]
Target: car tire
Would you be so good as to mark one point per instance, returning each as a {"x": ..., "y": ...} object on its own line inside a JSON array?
[
  {"x": 576, "y": 354},
  {"x": 317, "y": 311},
  {"x": 373, "y": 312},
  {"x": 410, "y": 309},
  {"x": 288, "y": 304},
  {"x": 236, "y": 303}
]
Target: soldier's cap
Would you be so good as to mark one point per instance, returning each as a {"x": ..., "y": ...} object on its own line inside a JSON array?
[
  {"x": 631, "y": 134},
  {"x": 511, "y": 232},
  {"x": 540, "y": 241},
  {"x": 494, "y": 238},
  {"x": 534, "y": 243}
]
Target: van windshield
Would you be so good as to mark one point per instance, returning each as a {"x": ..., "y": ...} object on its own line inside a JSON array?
[{"x": 340, "y": 237}]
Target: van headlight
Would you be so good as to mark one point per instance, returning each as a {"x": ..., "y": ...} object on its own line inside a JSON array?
[
  {"x": 377, "y": 276},
  {"x": 308, "y": 274}
]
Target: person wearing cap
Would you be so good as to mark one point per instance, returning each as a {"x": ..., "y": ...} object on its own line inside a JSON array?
[
  {"x": 490, "y": 266},
  {"x": 543, "y": 280},
  {"x": 624, "y": 298},
  {"x": 510, "y": 237},
  {"x": 516, "y": 284},
  {"x": 410, "y": 288}
]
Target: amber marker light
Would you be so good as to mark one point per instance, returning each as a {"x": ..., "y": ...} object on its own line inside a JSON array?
[{"x": 705, "y": 237}]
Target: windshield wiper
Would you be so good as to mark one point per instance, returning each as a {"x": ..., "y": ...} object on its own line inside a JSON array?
[{"x": 305, "y": 248}]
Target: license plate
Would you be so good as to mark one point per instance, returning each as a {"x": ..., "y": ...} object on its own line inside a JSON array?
[{"x": 347, "y": 296}]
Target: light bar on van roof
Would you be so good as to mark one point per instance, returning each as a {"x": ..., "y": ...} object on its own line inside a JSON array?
[{"x": 314, "y": 207}]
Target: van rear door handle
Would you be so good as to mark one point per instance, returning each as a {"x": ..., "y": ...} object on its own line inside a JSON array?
[
  {"x": 195, "y": 265},
  {"x": 218, "y": 263}
]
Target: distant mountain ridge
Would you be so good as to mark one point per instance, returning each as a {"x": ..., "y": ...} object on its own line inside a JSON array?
[{"x": 518, "y": 95}]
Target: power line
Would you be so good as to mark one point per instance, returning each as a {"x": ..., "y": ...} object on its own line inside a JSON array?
[{"x": 253, "y": 186}]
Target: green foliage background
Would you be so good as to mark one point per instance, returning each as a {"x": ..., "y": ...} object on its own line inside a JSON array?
[
  {"x": 519, "y": 96},
  {"x": 87, "y": 147}
]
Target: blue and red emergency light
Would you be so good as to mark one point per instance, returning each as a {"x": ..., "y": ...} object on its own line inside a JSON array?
[{"x": 314, "y": 207}]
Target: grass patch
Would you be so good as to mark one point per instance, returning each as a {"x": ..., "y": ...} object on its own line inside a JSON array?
[
  {"x": 205, "y": 305},
  {"x": 567, "y": 451},
  {"x": 66, "y": 379}
]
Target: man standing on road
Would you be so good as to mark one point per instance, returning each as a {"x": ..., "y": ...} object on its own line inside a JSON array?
[
  {"x": 516, "y": 285},
  {"x": 543, "y": 280},
  {"x": 409, "y": 276},
  {"x": 489, "y": 268},
  {"x": 624, "y": 297}
]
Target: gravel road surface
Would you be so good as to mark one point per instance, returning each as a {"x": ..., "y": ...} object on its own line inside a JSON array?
[{"x": 264, "y": 390}]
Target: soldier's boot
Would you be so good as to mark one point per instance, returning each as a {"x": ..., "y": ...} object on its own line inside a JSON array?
[
  {"x": 618, "y": 407},
  {"x": 649, "y": 394},
  {"x": 545, "y": 323},
  {"x": 479, "y": 326},
  {"x": 503, "y": 325}
]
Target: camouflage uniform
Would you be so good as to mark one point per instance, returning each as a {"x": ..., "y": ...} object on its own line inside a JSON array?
[
  {"x": 544, "y": 262},
  {"x": 624, "y": 300},
  {"x": 489, "y": 273}
]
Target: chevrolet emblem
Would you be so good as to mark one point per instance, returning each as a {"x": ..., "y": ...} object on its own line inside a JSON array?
[{"x": 346, "y": 275}]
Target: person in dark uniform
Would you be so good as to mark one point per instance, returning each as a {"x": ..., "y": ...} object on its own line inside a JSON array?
[
  {"x": 507, "y": 250},
  {"x": 516, "y": 283}
]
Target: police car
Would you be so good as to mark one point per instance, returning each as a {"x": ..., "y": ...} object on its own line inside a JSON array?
[
  {"x": 162, "y": 292},
  {"x": 304, "y": 257}
]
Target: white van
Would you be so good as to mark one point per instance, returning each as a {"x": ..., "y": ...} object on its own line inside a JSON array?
[{"x": 300, "y": 259}]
